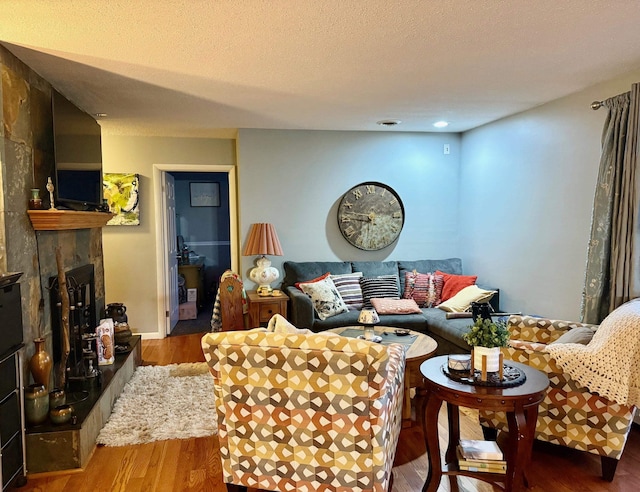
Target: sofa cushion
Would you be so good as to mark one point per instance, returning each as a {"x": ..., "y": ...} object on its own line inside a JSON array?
[
  {"x": 299, "y": 271},
  {"x": 461, "y": 302},
  {"x": 325, "y": 297},
  {"x": 450, "y": 330},
  {"x": 424, "y": 288},
  {"x": 377, "y": 269},
  {"x": 581, "y": 335},
  {"x": 348, "y": 284},
  {"x": 455, "y": 283},
  {"x": 383, "y": 286}
]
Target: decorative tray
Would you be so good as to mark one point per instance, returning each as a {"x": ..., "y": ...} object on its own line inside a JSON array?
[{"x": 511, "y": 376}]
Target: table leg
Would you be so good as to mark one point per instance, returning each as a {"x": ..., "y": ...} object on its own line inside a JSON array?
[
  {"x": 453, "y": 416},
  {"x": 430, "y": 432},
  {"x": 406, "y": 404},
  {"x": 519, "y": 449}
]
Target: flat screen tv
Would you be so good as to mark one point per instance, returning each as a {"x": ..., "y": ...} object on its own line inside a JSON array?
[{"x": 78, "y": 155}]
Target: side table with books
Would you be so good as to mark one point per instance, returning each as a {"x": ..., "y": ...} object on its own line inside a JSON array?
[{"x": 521, "y": 406}]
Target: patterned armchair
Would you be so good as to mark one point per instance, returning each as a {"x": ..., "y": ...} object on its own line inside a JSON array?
[
  {"x": 298, "y": 412},
  {"x": 569, "y": 415}
]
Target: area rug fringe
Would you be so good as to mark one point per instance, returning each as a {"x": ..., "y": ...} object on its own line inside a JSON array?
[{"x": 160, "y": 403}]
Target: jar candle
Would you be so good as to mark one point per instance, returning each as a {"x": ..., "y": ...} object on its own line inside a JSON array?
[{"x": 35, "y": 202}]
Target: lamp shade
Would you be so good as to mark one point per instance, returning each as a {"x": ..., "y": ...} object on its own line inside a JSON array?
[
  {"x": 262, "y": 240},
  {"x": 368, "y": 317}
]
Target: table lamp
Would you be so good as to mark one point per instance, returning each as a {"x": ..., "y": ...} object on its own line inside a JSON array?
[
  {"x": 263, "y": 240},
  {"x": 368, "y": 318}
]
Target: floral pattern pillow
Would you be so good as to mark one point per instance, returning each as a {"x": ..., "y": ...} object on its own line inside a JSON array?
[{"x": 325, "y": 297}]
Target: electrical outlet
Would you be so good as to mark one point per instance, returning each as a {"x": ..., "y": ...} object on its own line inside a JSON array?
[{"x": 446, "y": 149}]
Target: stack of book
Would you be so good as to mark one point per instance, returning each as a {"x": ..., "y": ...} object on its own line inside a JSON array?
[{"x": 481, "y": 456}]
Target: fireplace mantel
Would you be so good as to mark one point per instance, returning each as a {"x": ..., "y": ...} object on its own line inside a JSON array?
[{"x": 62, "y": 220}]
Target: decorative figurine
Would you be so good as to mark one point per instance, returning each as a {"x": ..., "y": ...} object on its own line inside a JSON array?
[{"x": 50, "y": 190}]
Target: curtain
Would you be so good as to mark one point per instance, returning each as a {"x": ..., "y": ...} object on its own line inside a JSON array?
[{"x": 610, "y": 255}]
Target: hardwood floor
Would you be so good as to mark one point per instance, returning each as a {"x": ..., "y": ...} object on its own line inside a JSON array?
[{"x": 194, "y": 464}]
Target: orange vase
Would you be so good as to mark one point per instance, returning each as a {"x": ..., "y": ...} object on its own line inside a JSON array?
[{"x": 40, "y": 364}]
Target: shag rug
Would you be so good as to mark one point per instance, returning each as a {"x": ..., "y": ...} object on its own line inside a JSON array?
[{"x": 163, "y": 402}]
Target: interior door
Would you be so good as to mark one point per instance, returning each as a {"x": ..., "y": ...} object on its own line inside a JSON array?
[{"x": 169, "y": 189}]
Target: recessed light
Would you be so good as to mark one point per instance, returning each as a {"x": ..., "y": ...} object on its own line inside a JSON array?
[
  {"x": 441, "y": 124},
  {"x": 101, "y": 115},
  {"x": 388, "y": 122}
]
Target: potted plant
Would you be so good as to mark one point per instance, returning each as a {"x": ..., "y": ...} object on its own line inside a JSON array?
[{"x": 486, "y": 337}]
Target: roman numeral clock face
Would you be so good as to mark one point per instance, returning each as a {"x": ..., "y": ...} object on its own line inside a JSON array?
[{"x": 371, "y": 216}]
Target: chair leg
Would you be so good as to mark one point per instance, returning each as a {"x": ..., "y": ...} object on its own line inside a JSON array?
[
  {"x": 236, "y": 488},
  {"x": 608, "y": 467},
  {"x": 489, "y": 433}
]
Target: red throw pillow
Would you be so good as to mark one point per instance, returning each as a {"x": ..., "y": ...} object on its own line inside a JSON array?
[
  {"x": 313, "y": 280},
  {"x": 455, "y": 283}
]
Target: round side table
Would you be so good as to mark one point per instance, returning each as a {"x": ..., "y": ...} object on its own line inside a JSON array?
[{"x": 519, "y": 402}]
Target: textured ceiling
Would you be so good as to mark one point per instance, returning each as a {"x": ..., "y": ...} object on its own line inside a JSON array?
[{"x": 195, "y": 67}]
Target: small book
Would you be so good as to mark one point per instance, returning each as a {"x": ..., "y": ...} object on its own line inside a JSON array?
[
  {"x": 480, "y": 462},
  {"x": 500, "y": 470},
  {"x": 480, "y": 450}
]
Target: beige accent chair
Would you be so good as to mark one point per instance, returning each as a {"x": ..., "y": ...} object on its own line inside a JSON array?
[
  {"x": 569, "y": 415},
  {"x": 306, "y": 412}
]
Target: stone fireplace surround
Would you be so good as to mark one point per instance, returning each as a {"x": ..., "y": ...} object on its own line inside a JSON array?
[{"x": 26, "y": 160}]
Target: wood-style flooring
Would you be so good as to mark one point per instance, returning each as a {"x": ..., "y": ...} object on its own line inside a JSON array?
[{"x": 194, "y": 464}]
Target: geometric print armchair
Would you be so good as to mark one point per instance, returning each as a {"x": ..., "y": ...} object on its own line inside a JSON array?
[
  {"x": 570, "y": 415},
  {"x": 305, "y": 412}
]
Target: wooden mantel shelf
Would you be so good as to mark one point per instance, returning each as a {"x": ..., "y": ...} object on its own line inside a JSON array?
[{"x": 62, "y": 220}]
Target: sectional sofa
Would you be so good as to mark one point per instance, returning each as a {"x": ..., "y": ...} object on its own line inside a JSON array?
[{"x": 432, "y": 321}]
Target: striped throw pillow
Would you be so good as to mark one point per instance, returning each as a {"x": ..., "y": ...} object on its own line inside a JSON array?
[
  {"x": 382, "y": 286},
  {"x": 348, "y": 285}
]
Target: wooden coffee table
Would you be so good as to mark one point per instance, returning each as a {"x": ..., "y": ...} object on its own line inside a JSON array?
[
  {"x": 421, "y": 349},
  {"x": 520, "y": 403}
]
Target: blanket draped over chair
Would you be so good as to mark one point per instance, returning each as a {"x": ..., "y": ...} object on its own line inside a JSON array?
[{"x": 610, "y": 364}]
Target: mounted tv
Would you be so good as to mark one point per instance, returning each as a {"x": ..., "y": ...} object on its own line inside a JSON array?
[{"x": 78, "y": 156}]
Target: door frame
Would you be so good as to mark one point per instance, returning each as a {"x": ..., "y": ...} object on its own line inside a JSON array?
[{"x": 162, "y": 268}]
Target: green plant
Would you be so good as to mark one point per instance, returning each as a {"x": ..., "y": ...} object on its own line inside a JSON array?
[{"x": 487, "y": 333}]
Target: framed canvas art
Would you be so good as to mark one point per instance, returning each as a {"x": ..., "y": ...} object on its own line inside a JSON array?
[{"x": 121, "y": 192}]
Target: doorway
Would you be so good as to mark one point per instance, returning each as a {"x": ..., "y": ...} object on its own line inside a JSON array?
[
  {"x": 205, "y": 230},
  {"x": 203, "y": 245}
]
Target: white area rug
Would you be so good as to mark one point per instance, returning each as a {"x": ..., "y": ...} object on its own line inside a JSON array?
[{"x": 163, "y": 402}]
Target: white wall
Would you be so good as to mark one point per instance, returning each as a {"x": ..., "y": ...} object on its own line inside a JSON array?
[
  {"x": 295, "y": 180},
  {"x": 130, "y": 251},
  {"x": 526, "y": 195}
]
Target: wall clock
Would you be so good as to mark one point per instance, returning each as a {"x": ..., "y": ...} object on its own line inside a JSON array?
[{"x": 371, "y": 216}]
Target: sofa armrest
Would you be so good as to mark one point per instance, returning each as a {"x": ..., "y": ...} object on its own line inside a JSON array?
[
  {"x": 541, "y": 330},
  {"x": 301, "y": 311}
]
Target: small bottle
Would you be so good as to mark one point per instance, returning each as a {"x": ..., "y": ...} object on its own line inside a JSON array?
[{"x": 35, "y": 202}]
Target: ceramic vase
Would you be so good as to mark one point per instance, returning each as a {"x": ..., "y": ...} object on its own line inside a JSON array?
[
  {"x": 493, "y": 358},
  {"x": 36, "y": 403},
  {"x": 41, "y": 363}
]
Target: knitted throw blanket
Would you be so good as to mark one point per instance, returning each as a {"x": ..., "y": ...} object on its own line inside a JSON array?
[{"x": 610, "y": 363}]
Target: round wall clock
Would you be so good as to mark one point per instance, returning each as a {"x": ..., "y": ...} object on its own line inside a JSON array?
[{"x": 371, "y": 216}]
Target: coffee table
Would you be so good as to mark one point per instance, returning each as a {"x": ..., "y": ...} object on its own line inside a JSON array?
[
  {"x": 422, "y": 347},
  {"x": 519, "y": 402}
]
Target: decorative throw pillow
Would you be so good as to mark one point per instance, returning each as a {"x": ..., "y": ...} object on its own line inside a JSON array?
[
  {"x": 382, "y": 286},
  {"x": 424, "y": 288},
  {"x": 455, "y": 283},
  {"x": 463, "y": 299},
  {"x": 317, "y": 279},
  {"x": 325, "y": 297},
  {"x": 395, "y": 306},
  {"x": 581, "y": 335},
  {"x": 348, "y": 284}
]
